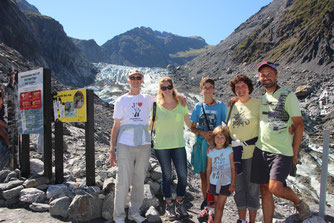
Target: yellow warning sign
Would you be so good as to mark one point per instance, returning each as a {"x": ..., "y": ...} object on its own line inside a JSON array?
[{"x": 70, "y": 106}]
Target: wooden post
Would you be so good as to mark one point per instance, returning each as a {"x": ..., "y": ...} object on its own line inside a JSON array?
[
  {"x": 24, "y": 157},
  {"x": 89, "y": 137},
  {"x": 47, "y": 108},
  {"x": 59, "y": 152},
  {"x": 324, "y": 171}
]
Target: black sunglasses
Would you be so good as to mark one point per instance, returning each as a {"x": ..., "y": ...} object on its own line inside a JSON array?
[
  {"x": 135, "y": 78},
  {"x": 169, "y": 87}
]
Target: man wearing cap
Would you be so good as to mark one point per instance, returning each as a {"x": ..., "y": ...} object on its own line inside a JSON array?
[
  {"x": 276, "y": 149},
  {"x": 131, "y": 138},
  {"x": 130, "y": 147}
]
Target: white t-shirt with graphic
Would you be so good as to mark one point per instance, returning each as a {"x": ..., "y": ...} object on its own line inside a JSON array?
[
  {"x": 135, "y": 110},
  {"x": 220, "y": 161}
]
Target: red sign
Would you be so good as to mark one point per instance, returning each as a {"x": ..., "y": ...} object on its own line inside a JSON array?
[{"x": 30, "y": 100}]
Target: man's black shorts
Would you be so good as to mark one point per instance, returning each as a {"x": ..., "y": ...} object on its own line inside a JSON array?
[{"x": 267, "y": 166}]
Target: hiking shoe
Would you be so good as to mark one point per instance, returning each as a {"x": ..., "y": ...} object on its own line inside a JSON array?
[
  {"x": 211, "y": 217},
  {"x": 136, "y": 217},
  {"x": 303, "y": 211},
  {"x": 170, "y": 211},
  {"x": 204, "y": 214},
  {"x": 181, "y": 210}
]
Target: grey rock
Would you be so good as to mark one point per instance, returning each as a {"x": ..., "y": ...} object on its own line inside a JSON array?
[
  {"x": 149, "y": 199},
  {"x": 10, "y": 185},
  {"x": 112, "y": 172},
  {"x": 59, "y": 207},
  {"x": 54, "y": 190},
  {"x": 12, "y": 193},
  {"x": 99, "y": 163},
  {"x": 303, "y": 91},
  {"x": 155, "y": 187},
  {"x": 152, "y": 215},
  {"x": 36, "y": 166},
  {"x": 108, "y": 207},
  {"x": 42, "y": 187},
  {"x": 85, "y": 207},
  {"x": 79, "y": 172},
  {"x": 11, "y": 176},
  {"x": 39, "y": 207},
  {"x": 108, "y": 185},
  {"x": 156, "y": 174},
  {"x": 103, "y": 175},
  {"x": 35, "y": 182},
  {"x": 314, "y": 219},
  {"x": 3, "y": 175},
  {"x": 94, "y": 190},
  {"x": 30, "y": 195},
  {"x": 12, "y": 201},
  {"x": 171, "y": 68}
]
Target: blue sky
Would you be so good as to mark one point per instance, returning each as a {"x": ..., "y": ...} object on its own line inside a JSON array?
[{"x": 101, "y": 20}]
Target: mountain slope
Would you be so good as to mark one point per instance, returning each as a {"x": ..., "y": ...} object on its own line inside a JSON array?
[
  {"x": 295, "y": 34},
  {"x": 43, "y": 41},
  {"x": 24, "y": 5},
  {"x": 92, "y": 51},
  {"x": 303, "y": 34}
]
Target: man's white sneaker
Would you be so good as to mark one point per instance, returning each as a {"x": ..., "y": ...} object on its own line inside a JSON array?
[
  {"x": 136, "y": 217},
  {"x": 119, "y": 221}
]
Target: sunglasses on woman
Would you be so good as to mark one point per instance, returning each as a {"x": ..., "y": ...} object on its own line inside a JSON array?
[
  {"x": 135, "y": 78},
  {"x": 169, "y": 87}
]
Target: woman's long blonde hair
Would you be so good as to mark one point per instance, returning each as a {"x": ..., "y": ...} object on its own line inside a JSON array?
[{"x": 160, "y": 96}]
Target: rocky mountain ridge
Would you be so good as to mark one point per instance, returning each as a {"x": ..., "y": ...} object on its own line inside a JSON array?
[{"x": 144, "y": 47}]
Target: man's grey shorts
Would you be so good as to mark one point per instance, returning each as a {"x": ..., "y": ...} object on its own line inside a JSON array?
[{"x": 247, "y": 194}]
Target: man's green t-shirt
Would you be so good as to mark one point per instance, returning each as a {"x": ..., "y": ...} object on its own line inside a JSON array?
[
  {"x": 169, "y": 127},
  {"x": 276, "y": 110}
]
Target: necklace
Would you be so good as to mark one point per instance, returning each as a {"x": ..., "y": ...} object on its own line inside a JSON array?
[{"x": 211, "y": 103}]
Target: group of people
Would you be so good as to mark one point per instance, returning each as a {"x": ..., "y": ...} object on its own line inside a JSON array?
[{"x": 248, "y": 148}]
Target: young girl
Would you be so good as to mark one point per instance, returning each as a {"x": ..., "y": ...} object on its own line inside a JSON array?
[{"x": 220, "y": 170}]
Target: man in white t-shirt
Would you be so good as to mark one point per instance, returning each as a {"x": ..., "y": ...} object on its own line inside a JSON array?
[{"x": 130, "y": 148}]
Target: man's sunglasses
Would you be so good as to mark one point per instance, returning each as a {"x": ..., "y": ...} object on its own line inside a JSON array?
[
  {"x": 135, "y": 78},
  {"x": 169, "y": 87}
]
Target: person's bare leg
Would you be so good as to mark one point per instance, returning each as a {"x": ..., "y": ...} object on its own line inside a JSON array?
[
  {"x": 252, "y": 215},
  {"x": 203, "y": 184},
  {"x": 267, "y": 203},
  {"x": 242, "y": 214},
  {"x": 219, "y": 209},
  {"x": 278, "y": 189}
]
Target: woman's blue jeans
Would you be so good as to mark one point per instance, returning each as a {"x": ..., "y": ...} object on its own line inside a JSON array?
[{"x": 179, "y": 158}]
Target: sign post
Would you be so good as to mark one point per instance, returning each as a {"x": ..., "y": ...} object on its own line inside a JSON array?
[
  {"x": 324, "y": 170},
  {"x": 90, "y": 146},
  {"x": 34, "y": 101},
  {"x": 75, "y": 106}
]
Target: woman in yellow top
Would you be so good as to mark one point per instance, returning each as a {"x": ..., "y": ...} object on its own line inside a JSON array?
[
  {"x": 244, "y": 126},
  {"x": 169, "y": 145}
]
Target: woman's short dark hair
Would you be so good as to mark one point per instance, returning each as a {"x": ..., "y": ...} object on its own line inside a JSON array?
[{"x": 244, "y": 79}]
